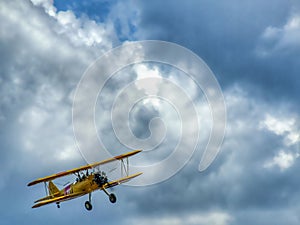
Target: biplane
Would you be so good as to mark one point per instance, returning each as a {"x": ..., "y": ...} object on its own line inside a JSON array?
[{"x": 86, "y": 182}]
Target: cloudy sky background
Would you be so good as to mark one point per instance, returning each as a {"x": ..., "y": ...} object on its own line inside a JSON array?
[{"x": 252, "y": 47}]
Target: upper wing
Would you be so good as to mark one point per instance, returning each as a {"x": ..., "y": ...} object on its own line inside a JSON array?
[
  {"x": 59, "y": 199},
  {"x": 120, "y": 181},
  {"x": 89, "y": 166}
]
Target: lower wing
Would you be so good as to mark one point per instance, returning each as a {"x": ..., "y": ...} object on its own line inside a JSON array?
[
  {"x": 59, "y": 199},
  {"x": 120, "y": 181}
]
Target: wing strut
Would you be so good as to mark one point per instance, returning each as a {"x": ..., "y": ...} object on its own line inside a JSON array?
[
  {"x": 46, "y": 189},
  {"x": 124, "y": 167}
]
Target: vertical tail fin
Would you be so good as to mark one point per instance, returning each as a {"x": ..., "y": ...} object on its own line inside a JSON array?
[{"x": 53, "y": 190}]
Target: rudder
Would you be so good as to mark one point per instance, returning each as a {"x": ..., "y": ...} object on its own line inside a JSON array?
[{"x": 53, "y": 190}]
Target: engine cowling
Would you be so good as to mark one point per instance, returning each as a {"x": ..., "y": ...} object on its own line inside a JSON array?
[{"x": 100, "y": 179}]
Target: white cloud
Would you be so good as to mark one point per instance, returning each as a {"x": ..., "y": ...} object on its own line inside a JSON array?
[
  {"x": 283, "y": 160},
  {"x": 279, "y": 127},
  {"x": 280, "y": 38},
  {"x": 47, "y": 5},
  {"x": 285, "y": 127},
  {"x": 80, "y": 31},
  {"x": 142, "y": 72},
  {"x": 47, "y": 52},
  {"x": 282, "y": 126}
]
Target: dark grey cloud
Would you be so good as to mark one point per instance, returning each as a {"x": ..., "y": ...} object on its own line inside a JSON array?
[
  {"x": 226, "y": 34},
  {"x": 238, "y": 181}
]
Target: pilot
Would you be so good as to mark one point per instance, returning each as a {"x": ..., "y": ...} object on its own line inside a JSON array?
[{"x": 104, "y": 177}]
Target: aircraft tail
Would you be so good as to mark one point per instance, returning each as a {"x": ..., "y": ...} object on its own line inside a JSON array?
[{"x": 53, "y": 190}]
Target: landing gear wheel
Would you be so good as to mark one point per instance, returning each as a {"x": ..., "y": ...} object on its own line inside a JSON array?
[
  {"x": 88, "y": 205},
  {"x": 112, "y": 198}
]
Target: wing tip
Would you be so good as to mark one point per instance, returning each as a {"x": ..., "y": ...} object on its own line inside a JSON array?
[
  {"x": 30, "y": 184},
  {"x": 34, "y": 182}
]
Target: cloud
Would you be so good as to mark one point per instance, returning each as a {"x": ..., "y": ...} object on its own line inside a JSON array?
[
  {"x": 125, "y": 16},
  {"x": 237, "y": 181},
  {"x": 255, "y": 178},
  {"x": 43, "y": 59},
  {"x": 283, "y": 160},
  {"x": 281, "y": 39},
  {"x": 80, "y": 31},
  {"x": 53, "y": 50},
  {"x": 286, "y": 127},
  {"x": 135, "y": 118},
  {"x": 226, "y": 35},
  {"x": 218, "y": 218}
]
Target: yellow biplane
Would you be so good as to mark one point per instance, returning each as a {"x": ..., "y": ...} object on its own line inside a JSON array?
[{"x": 85, "y": 183}]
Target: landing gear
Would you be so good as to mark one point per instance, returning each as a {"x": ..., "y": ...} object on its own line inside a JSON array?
[
  {"x": 88, "y": 205},
  {"x": 112, "y": 198},
  {"x": 57, "y": 204}
]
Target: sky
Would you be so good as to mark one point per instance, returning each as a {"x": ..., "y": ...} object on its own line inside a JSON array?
[{"x": 251, "y": 47}]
